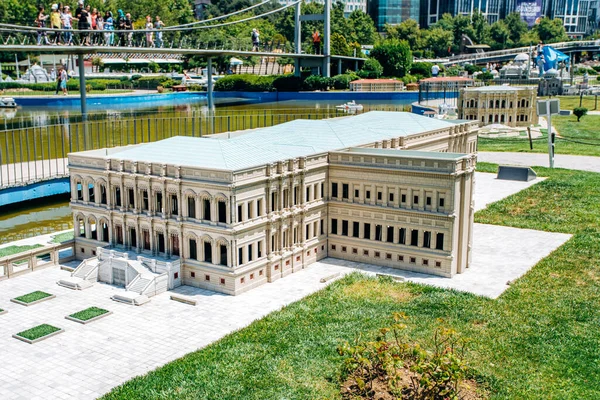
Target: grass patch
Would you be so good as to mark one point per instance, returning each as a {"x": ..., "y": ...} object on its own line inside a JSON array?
[
  {"x": 18, "y": 94},
  {"x": 538, "y": 340},
  {"x": 38, "y": 331},
  {"x": 585, "y": 132},
  {"x": 63, "y": 237},
  {"x": 10, "y": 250},
  {"x": 88, "y": 313},
  {"x": 33, "y": 296}
]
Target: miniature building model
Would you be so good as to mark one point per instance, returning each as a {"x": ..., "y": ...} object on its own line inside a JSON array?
[
  {"x": 376, "y": 85},
  {"x": 507, "y": 105},
  {"x": 237, "y": 213}
]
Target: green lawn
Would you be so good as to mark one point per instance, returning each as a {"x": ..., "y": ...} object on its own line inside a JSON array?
[
  {"x": 539, "y": 340},
  {"x": 10, "y": 250},
  {"x": 88, "y": 313},
  {"x": 38, "y": 331},
  {"x": 33, "y": 296},
  {"x": 586, "y": 131},
  {"x": 63, "y": 237}
]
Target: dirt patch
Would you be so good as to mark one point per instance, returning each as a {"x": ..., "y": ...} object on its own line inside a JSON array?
[
  {"x": 378, "y": 291},
  {"x": 380, "y": 390}
]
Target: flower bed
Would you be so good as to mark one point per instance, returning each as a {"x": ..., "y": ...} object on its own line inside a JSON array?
[
  {"x": 32, "y": 298},
  {"x": 88, "y": 315},
  {"x": 38, "y": 333}
]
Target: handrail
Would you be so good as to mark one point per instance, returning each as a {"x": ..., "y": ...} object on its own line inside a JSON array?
[{"x": 7, "y": 262}]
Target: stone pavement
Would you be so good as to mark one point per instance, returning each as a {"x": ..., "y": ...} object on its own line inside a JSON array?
[{"x": 584, "y": 163}]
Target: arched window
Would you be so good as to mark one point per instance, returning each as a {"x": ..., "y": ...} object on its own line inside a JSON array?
[{"x": 503, "y": 103}]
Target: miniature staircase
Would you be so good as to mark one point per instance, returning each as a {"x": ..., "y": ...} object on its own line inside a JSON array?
[
  {"x": 140, "y": 283},
  {"x": 83, "y": 276}
]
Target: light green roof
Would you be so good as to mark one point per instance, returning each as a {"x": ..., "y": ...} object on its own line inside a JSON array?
[
  {"x": 430, "y": 155},
  {"x": 280, "y": 142}
]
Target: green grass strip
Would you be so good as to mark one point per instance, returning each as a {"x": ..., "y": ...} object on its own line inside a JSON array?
[
  {"x": 88, "y": 313},
  {"x": 33, "y": 296},
  {"x": 63, "y": 237},
  {"x": 10, "y": 250},
  {"x": 38, "y": 331}
]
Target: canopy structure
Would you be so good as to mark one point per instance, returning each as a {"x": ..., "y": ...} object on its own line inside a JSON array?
[
  {"x": 235, "y": 61},
  {"x": 552, "y": 57}
]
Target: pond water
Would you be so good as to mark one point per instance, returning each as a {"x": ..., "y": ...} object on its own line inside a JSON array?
[{"x": 45, "y": 216}]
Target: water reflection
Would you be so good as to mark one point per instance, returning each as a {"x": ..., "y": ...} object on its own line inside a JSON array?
[{"x": 35, "y": 218}]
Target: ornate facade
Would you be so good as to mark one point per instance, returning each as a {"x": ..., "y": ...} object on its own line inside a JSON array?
[
  {"x": 506, "y": 105},
  {"x": 248, "y": 210}
]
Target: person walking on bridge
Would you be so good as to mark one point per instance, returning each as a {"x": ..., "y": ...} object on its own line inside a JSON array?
[
  {"x": 129, "y": 29},
  {"x": 55, "y": 23},
  {"x": 67, "y": 22},
  {"x": 255, "y": 36},
  {"x": 316, "y": 38},
  {"x": 109, "y": 27},
  {"x": 41, "y": 23},
  {"x": 149, "y": 35},
  {"x": 158, "y": 25},
  {"x": 120, "y": 27}
]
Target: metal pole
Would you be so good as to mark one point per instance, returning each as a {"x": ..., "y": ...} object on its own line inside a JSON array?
[
  {"x": 339, "y": 66},
  {"x": 550, "y": 141},
  {"x": 17, "y": 67},
  {"x": 82, "y": 88},
  {"x": 327, "y": 33},
  {"x": 210, "y": 85},
  {"x": 297, "y": 38}
]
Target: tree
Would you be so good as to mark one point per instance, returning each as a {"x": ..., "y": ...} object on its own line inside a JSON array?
[
  {"x": 480, "y": 27},
  {"x": 580, "y": 112},
  {"x": 362, "y": 28},
  {"x": 516, "y": 26},
  {"x": 371, "y": 69},
  {"x": 394, "y": 56},
  {"x": 500, "y": 33},
  {"x": 407, "y": 30},
  {"x": 339, "y": 45},
  {"x": 551, "y": 30},
  {"x": 98, "y": 63},
  {"x": 439, "y": 40}
]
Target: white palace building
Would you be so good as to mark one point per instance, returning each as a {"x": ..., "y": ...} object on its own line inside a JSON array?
[{"x": 232, "y": 213}]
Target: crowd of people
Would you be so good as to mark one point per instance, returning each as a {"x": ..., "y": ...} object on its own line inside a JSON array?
[{"x": 112, "y": 30}]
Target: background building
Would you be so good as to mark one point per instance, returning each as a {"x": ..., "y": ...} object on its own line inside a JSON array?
[
  {"x": 350, "y": 5},
  {"x": 507, "y": 105},
  {"x": 580, "y": 17},
  {"x": 229, "y": 214}
]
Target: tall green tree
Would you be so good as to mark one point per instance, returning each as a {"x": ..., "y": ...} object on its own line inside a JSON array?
[
  {"x": 480, "y": 27},
  {"x": 394, "y": 56},
  {"x": 500, "y": 34},
  {"x": 438, "y": 40},
  {"x": 406, "y": 30},
  {"x": 362, "y": 28},
  {"x": 551, "y": 30},
  {"x": 516, "y": 26}
]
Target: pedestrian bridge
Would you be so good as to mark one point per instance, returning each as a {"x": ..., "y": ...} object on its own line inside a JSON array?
[{"x": 579, "y": 46}]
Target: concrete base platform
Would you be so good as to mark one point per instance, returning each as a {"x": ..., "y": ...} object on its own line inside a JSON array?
[{"x": 500, "y": 254}]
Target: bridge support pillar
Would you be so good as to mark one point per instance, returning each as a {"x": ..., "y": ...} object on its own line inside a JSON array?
[
  {"x": 326, "y": 47},
  {"x": 209, "y": 73},
  {"x": 297, "y": 38},
  {"x": 82, "y": 91},
  {"x": 339, "y": 66}
]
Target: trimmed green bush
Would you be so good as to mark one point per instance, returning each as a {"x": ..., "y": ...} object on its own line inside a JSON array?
[
  {"x": 33, "y": 296},
  {"x": 246, "y": 83},
  {"x": 342, "y": 82},
  {"x": 371, "y": 69},
  {"x": 317, "y": 82},
  {"x": 422, "y": 68},
  {"x": 288, "y": 83},
  {"x": 38, "y": 331}
]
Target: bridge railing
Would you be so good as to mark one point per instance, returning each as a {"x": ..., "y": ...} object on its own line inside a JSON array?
[
  {"x": 517, "y": 50},
  {"x": 35, "y": 154},
  {"x": 136, "y": 38}
]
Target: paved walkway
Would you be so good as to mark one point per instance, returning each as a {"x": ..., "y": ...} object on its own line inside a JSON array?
[{"x": 584, "y": 163}]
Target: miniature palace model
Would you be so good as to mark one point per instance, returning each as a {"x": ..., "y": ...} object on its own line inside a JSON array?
[{"x": 233, "y": 211}]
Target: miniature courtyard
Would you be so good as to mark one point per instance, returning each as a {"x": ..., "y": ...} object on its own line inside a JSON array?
[{"x": 87, "y": 360}]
